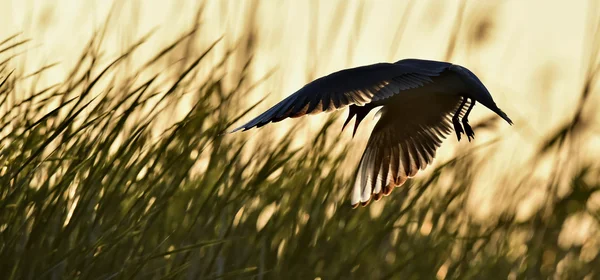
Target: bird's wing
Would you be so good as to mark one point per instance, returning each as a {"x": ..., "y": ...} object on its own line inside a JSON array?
[
  {"x": 358, "y": 86},
  {"x": 404, "y": 141}
]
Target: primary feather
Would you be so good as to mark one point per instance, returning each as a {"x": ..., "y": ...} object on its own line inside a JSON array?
[{"x": 359, "y": 86}]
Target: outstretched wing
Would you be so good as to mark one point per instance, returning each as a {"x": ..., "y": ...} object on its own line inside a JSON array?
[
  {"x": 358, "y": 86},
  {"x": 404, "y": 141}
]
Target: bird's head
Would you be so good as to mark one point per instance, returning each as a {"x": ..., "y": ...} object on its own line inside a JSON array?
[{"x": 476, "y": 90}]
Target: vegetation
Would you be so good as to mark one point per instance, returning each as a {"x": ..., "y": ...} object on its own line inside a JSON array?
[{"x": 95, "y": 184}]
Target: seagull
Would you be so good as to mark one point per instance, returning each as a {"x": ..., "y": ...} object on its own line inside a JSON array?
[{"x": 420, "y": 100}]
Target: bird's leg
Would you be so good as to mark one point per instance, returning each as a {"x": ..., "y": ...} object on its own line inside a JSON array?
[
  {"x": 465, "y": 121},
  {"x": 457, "y": 127}
]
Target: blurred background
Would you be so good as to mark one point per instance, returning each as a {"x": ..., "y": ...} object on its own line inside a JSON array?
[{"x": 114, "y": 165}]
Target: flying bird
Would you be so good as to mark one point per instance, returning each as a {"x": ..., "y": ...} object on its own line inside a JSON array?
[{"x": 421, "y": 100}]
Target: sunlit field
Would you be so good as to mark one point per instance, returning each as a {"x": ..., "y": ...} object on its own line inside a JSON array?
[{"x": 114, "y": 163}]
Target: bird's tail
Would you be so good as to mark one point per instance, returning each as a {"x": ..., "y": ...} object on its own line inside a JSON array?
[{"x": 360, "y": 112}]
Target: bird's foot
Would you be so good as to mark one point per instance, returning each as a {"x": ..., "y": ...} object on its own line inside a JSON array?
[
  {"x": 457, "y": 128},
  {"x": 468, "y": 130}
]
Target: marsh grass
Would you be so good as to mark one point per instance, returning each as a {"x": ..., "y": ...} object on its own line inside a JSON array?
[{"x": 95, "y": 187}]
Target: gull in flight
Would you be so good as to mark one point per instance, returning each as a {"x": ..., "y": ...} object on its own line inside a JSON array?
[{"x": 420, "y": 100}]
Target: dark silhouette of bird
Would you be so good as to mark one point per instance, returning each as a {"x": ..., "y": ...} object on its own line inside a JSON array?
[{"x": 421, "y": 101}]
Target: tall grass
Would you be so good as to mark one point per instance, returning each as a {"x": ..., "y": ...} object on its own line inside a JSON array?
[{"x": 95, "y": 186}]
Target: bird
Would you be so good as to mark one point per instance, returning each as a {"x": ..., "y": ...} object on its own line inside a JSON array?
[{"x": 420, "y": 102}]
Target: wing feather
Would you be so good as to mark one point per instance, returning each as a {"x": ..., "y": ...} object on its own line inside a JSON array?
[
  {"x": 404, "y": 141},
  {"x": 359, "y": 86}
]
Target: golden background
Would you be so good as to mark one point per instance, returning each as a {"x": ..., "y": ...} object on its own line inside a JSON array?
[{"x": 535, "y": 57}]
